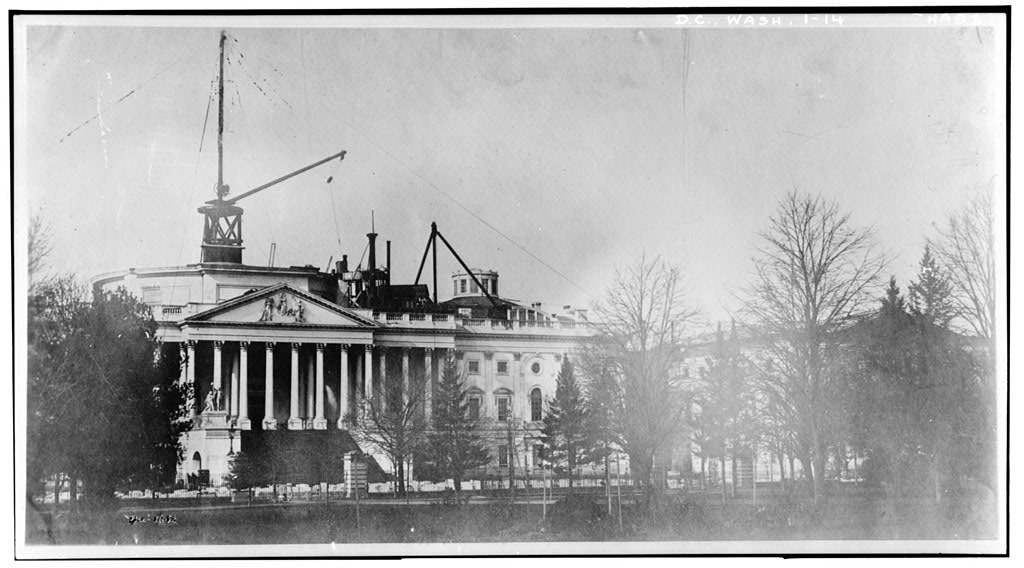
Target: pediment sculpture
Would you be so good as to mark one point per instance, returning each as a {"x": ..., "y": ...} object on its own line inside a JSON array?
[{"x": 284, "y": 308}]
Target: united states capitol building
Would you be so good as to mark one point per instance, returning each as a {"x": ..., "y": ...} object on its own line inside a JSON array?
[{"x": 297, "y": 348}]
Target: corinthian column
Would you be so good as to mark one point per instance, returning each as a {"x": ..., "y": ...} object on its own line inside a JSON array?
[
  {"x": 243, "y": 386},
  {"x": 383, "y": 389},
  {"x": 269, "y": 422},
  {"x": 319, "y": 422},
  {"x": 218, "y": 396},
  {"x": 428, "y": 388},
  {"x": 294, "y": 422},
  {"x": 405, "y": 376},
  {"x": 343, "y": 390},
  {"x": 368, "y": 372}
]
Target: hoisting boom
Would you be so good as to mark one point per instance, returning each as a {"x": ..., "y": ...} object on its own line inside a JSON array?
[{"x": 238, "y": 198}]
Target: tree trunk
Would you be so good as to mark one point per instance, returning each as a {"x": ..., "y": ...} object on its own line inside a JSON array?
[
  {"x": 400, "y": 473},
  {"x": 818, "y": 463},
  {"x": 782, "y": 470},
  {"x": 512, "y": 478},
  {"x": 607, "y": 483},
  {"x": 569, "y": 462},
  {"x": 840, "y": 463},
  {"x": 722, "y": 463},
  {"x": 735, "y": 477},
  {"x": 457, "y": 479}
]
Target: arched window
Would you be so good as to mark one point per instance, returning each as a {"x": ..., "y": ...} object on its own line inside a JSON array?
[
  {"x": 197, "y": 462},
  {"x": 536, "y": 405}
]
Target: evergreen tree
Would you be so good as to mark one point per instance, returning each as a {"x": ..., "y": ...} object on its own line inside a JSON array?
[
  {"x": 883, "y": 415},
  {"x": 603, "y": 406},
  {"x": 724, "y": 397},
  {"x": 251, "y": 468},
  {"x": 950, "y": 406},
  {"x": 564, "y": 434},
  {"x": 920, "y": 407},
  {"x": 455, "y": 439},
  {"x": 104, "y": 404},
  {"x": 931, "y": 297}
]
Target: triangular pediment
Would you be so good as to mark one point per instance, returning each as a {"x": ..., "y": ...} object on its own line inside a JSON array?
[{"x": 282, "y": 305}]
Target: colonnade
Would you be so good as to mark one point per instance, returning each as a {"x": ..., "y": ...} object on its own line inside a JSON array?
[{"x": 373, "y": 379}]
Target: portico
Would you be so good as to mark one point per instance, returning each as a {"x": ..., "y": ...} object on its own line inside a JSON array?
[{"x": 270, "y": 369}]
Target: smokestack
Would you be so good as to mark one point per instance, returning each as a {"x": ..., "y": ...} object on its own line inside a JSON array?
[
  {"x": 371, "y": 282},
  {"x": 372, "y": 237},
  {"x": 388, "y": 245},
  {"x": 343, "y": 264}
]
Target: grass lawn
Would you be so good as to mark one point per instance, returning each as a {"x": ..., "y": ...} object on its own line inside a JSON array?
[{"x": 690, "y": 518}]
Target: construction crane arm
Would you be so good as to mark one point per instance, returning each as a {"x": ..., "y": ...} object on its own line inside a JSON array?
[{"x": 258, "y": 189}]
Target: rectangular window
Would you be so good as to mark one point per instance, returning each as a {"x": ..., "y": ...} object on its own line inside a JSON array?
[
  {"x": 504, "y": 408},
  {"x": 502, "y": 456},
  {"x": 474, "y": 408},
  {"x": 494, "y": 287},
  {"x": 455, "y": 287},
  {"x": 472, "y": 286},
  {"x": 538, "y": 454},
  {"x": 502, "y": 367},
  {"x": 462, "y": 285},
  {"x": 474, "y": 367}
]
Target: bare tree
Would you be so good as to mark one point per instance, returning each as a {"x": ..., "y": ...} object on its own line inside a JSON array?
[
  {"x": 40, "y": 245},
  {"x": 639, "y": 329},
  {"x": 393, "y": 424},
  {"x": 813, "y": 273},
  {"x": 966, "y": 246}
]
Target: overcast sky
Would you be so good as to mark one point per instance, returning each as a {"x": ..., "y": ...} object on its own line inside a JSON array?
[{"x": 587, "y": 147}]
